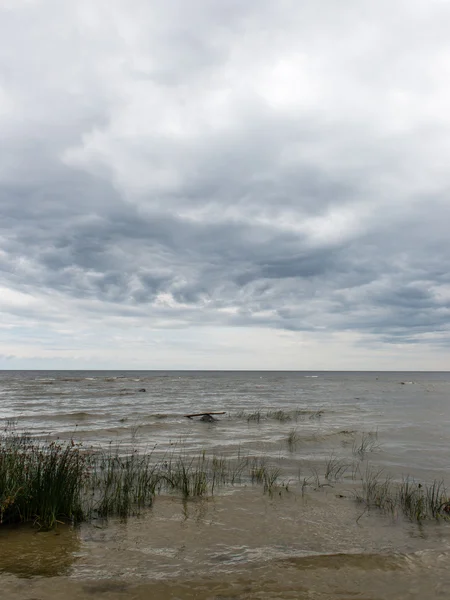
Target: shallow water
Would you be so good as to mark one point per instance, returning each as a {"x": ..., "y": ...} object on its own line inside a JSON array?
[{"x": 241, "y": 543}]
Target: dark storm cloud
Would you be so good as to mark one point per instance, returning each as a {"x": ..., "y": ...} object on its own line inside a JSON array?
[{"x": 183, "y": 173}]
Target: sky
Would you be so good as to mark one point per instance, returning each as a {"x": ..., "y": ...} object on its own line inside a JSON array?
[{"x": 218, "y": 184}]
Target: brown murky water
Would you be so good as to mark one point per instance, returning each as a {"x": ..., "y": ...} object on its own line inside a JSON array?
[{"x": 242, "y": 544}]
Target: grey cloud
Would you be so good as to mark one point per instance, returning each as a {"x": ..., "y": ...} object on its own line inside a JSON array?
[{"x": 234, "y": 222}]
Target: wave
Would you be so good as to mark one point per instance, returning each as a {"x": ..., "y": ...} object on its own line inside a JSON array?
[{"x": 64, "y": 416}]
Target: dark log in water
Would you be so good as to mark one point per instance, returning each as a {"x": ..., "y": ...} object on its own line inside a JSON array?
[{"x": 205, "y": 414}]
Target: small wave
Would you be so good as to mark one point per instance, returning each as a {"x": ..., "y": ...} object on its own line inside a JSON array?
[
  {"x": 363, "y": 561},
  {"x": 72, "y": 416},
  {"x": 124, "y": 429},
  {"x": 159, "y": 416},
  {"x": 311, "y": 376},
  {"x": 82, "y": 415}
]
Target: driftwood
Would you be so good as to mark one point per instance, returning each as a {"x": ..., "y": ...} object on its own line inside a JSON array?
[{"x": 205, "y": 414}]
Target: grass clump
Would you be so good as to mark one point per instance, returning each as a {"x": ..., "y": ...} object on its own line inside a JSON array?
[
  {"x": 293, "y": 440},
  {"x": 376, "y": 492},
  {"x": 335, "y": 468},
  {"x": 187, "y": 475},
  {"x": 40, "y": 482},
  {"x": 302, "y": 414},
  {"x": 262, "y": 473},
  {"x": 254, "y": 417},
  {"x": 419, "y": 502},
  {"x": 120, "y": 485},
  {"x": 415, "y": 501},
  {"x": 279, "y": 415},
  {"x": 53, "y": 482},
  {"x": 368, "y": 442}
]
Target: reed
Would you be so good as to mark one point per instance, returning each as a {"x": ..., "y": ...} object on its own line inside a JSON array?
[
  {"x": 368, "y": 442},
  {"x": 185, "y": 475},
  {"x": 40, "y": 482},
  {"x": 279, "y": 415},
  {"x": 335, "y": 468},
  {"x": 120, "y": 485},
  {"x": 254, "y": 417},
  {"x": 263, "y": 473},
  {"x": 293, "y": 440},
  {"x": 376, "y": 492},
  {"x": 415, "y": 501},
  {"x": 52, "y": 482},
  {"x": 302, "y": 414}
]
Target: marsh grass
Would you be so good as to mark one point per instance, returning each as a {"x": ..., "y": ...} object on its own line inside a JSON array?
[
  {"x": 257, "y": 416},
  {"x": 254, "y": 417},
  {"x": 301, "y": 414},
  {"x": 187, "y": 477},
  {"x": 283, "y": 416},
  {"x": 376, "y": 492},
  {"x": 120, "y": 484},
  {"x": 240, "y": 414},
  {"x": 293, "y": 439},
  {"x": 39, "y": 482},
  {"x": 336, "y": 468},
  {"x": 415, "y": 501},
  {"x": 279, "y": 415},
  {"x": 263, "y": 473},
  {"x": 368, "y": 442},
  {"x": 51, "y": 482},
  {"x": 419, "y": 502},
  {"x": 250, "y": 417}
]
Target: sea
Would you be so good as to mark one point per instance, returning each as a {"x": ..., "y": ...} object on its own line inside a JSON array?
[{"x": 311, "y": 539}]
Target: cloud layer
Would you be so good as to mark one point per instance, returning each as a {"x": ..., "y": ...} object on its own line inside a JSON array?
[{"x": 175, "y": 170}]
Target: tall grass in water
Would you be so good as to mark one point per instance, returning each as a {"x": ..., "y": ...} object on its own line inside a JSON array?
[
  {"x": 293, "y": 439},
  {"x": 51, "y": 482},
  {"x": 262, "y": 473},
  {"x": 335, "y": 468},
  {"x": 254, "y": 417},
  {"x": 48, "y": 482},
  {"x": 416, "y": 501},
  {"x": 119, "y": 484},
  {"x": 368, "y": 442},
  {"x": 40, "y": 482},
  {"x": 419, "y": 502},
  {"x": 279, "y": 415},
  {"x": 186, "y": 475}
]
